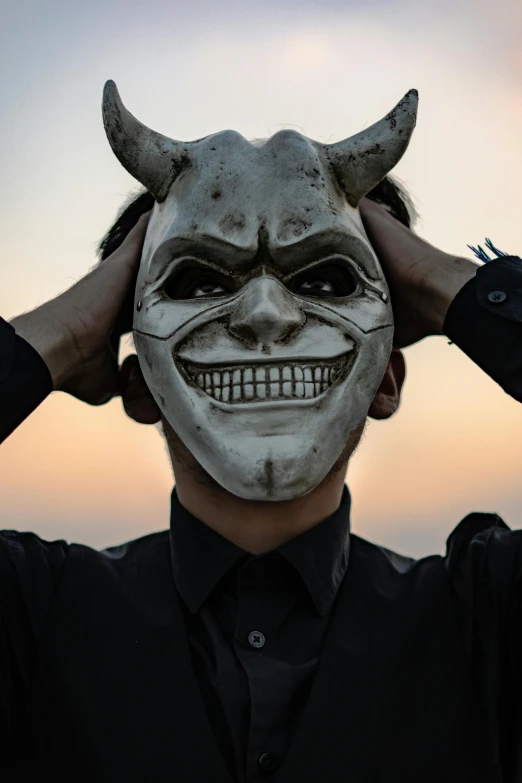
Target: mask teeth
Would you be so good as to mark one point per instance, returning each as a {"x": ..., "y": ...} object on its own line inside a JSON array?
[{"x": 270, "y": 382}]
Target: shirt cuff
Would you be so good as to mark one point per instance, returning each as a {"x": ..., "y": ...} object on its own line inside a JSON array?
[
  {"x": 485, "y": 321},
  {"x": 25, "y": 380}
]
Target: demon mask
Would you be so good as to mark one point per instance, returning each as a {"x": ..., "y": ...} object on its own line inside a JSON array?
[{"x": 262, "y": 319}]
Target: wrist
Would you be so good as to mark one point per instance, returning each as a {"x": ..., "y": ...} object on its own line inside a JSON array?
[
  {"x": 41, "y": 331},
  {"x": 450, "y": 275}
]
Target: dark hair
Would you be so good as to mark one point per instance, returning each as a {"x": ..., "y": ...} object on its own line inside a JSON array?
[
  {"x": 392, "y": 194},
  {"x": 389, "y": 192}
]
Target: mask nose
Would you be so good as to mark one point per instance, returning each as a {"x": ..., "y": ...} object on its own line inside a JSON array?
[{"x": 266, "y": 313}]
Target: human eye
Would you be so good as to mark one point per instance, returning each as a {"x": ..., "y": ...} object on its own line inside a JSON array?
[
  {"x": 332, "y": 278},
  {"x": 206, "y": 289},
  {"x": 318, "y": 286},
  {"x": 197, "y": 282}
]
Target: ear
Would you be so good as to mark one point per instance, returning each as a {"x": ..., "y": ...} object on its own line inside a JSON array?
[
  {"x": 137, "y": 400},
  {"x": 388, "y": 396}
]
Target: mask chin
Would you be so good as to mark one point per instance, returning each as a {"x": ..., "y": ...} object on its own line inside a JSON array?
[
  {"x": 278, "y": 471},
  {"x": 271, "y": 451},
  {"x": 274, "y": 458},
  {"x": 276, "y": 482}
]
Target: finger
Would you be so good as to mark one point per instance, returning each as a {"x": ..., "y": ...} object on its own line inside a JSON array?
[
  {"x": 108, "y": 284},
  {"x": 130, "y": 249},
  {"x": 374, "y": 214}
]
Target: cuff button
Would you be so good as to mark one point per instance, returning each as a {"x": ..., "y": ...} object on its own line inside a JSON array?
[{"x": 496, "y": 297}]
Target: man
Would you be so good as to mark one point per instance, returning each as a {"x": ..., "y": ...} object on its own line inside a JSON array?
[{"x": 259, "y": 638}]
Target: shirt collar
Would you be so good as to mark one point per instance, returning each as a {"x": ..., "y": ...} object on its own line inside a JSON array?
[{"x": 201, "y": 556}]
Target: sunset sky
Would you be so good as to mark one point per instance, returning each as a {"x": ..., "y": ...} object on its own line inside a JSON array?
[{"x": 327, "y": 68}]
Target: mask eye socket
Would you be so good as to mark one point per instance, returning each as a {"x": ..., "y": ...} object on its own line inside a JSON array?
[
  {"x": 329, "y": 279},
  {"x": 198, "y": 282}
]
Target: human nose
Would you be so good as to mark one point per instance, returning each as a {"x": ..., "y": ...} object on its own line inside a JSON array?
[{"x": 265, "y": 313}]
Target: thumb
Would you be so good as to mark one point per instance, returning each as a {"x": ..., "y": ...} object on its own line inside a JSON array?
[{"x": 129, "y": 252}]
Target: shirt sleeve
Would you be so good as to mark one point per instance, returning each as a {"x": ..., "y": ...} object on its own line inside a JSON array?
[
  {"x": 30, "y": 569},
  {"x": 484, "y": 566},
  {"x": 25, "y": 380},
  {"x": 485, "y": 321}
]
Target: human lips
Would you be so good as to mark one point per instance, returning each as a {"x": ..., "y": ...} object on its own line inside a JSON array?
[{"x": 284, "y": 380}]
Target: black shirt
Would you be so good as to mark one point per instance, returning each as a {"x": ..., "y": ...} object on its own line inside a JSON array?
[
  {"x": 282, "y": 599},
  {"x": 256, "y": 625}
]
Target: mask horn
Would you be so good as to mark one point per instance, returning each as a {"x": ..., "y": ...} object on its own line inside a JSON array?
[
  {"x": 153, "y": 159},
  {"x": 363, "y": 160}
]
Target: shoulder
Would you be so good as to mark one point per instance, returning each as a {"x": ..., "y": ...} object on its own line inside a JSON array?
[
  {"x": 133, "y": 563},
  {"x": 480, "y": 548},
  {"x": 121, "y": 556},
  {"x": 481, "y": 571},
  {"x": 40, "y": 579},
  {"x": 387, "y": 559},
  {"x": 26, "y": 553},
  {"x": 480, "y": 536},
  {"x": 30, "y": 570}
]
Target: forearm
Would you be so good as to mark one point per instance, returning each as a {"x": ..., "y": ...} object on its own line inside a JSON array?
[
  {"x": 449, "y": 280},
  {"x": 25, "y": 380},
  {"x": 39, "y": 329}
]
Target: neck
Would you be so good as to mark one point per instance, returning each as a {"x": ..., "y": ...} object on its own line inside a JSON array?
[{"x": 255, "y": 526}]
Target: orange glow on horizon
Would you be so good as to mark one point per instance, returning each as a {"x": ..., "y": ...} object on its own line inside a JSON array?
[{"x": 92, "y": 475}]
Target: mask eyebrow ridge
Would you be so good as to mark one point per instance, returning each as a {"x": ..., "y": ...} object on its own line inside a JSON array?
[
  {"x": 219, "y": 251},
  {"x": 324, "y": 242},
  {"x": 287, "y": 256}
]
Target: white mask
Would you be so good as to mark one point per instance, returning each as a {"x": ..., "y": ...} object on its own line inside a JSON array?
[{"x": 262, "y": 322}]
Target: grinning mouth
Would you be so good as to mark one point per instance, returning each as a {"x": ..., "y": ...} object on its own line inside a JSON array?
[{"x": 275, "y": 381}]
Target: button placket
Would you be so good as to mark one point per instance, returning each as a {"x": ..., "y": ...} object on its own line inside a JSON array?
[
  {"x": 256, "y": 597},
  {"x": 267, "y": 762}
]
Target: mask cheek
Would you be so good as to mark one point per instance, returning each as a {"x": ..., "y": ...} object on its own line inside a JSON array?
[{"x": 184, "y": 407}]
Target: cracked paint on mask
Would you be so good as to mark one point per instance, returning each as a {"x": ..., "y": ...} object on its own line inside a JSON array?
[{"x": 265, "y": 324}]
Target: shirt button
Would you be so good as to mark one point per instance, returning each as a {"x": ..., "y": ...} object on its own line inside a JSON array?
[
  {"x": 257, "y": 569},
  {"x": 256, "y": 639},
  {"x": 267, "y": 762},
  {"x": 497, "y": 296}
]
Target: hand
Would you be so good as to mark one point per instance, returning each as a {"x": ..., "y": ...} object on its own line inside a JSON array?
[
  {"x": 423, "y": 280},
  {"x": 72, "y": 333}
]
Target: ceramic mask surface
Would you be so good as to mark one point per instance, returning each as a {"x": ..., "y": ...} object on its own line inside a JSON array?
[{"x": 263, "y": 324}]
